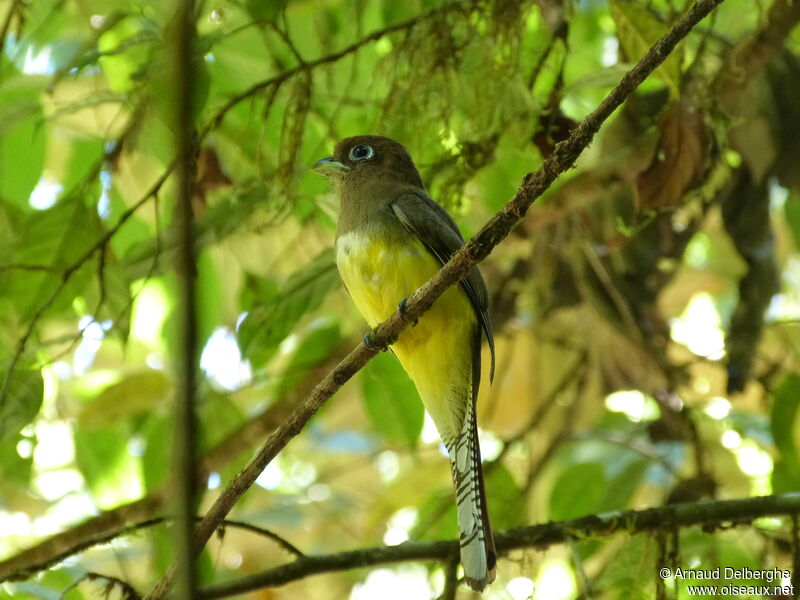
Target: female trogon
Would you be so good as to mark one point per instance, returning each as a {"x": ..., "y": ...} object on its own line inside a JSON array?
[{"x": 390, "y": 239}]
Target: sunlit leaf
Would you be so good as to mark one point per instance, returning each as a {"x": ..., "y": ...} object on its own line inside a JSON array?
[
  {"x": 22, "y": 140},
  {"x": 133, "y": 395},
  {"x": 126, "y": 51}
]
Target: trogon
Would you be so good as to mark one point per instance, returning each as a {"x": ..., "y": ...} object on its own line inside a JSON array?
[{"x": 391, "y": 238}]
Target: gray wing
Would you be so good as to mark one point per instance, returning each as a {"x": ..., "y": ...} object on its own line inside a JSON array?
[{"x": 434, "y": 227}]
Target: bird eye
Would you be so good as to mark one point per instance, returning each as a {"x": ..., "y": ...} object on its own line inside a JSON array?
[{"x": 361, "y": 152}]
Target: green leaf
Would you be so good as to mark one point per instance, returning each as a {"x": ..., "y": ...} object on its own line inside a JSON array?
[
  {"x": 63, "y": 234},
  {"x": 49, "y": 585},
  {"x": 162, "y": 74},
  {"x": 134, "y": 394},
  {"x": 103, "y": 459},
  {"x": 792, "y": 212},
  {"x": 14, "y": 469},
  {"x": 83, "y": 156},
  {"x": 267, "y": 325},
  {"x": 126, "y": 53},
  {"x": 785, "y": 424},
  {"x": 578, "y": 491},
  {"x": 638, "y": 29},
  {"x": 629, "y": 575},
  {"x": 391, "y": 401},
  {"x": 265, "y": 10},
  {"x": 22, "y": 140},
  {"x": 162, "y": 542},
  {"x": 157, "y": 457},
  {"x": 436, "y": 518},
  {"x": 218, "y": 417},
  {"x": 785, "y": 478},
  {"x": 209, "y": 296},
  {"x": 22, "y": 399},
  {"x": 622, "y": 486},
  {"x": 506, "y": 499},
  {"x": 134, "y": 232},
  {"x": 114, "y": 288}
]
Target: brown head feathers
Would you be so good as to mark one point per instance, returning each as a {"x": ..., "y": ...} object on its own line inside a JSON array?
[{"x": 368, "y": 156}]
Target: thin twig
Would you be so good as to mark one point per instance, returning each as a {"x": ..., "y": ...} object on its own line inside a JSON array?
[
  {"x": 281, "y": 541},
  {"x": 24, "y": 267},
  {"x": 127, "y": 591}
]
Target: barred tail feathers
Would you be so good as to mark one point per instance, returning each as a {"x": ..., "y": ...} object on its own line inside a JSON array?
[
  {"x": 478, "y": 554},
  {"x": 447, "y": 383}
]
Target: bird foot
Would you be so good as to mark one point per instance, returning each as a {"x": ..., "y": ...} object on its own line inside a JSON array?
[
  {"x": 402, "y": 310},
  {"x": 369, "y": 342}
]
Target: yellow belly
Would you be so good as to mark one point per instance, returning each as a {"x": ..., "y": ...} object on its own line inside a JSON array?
[{"x": 436, "y": 352}]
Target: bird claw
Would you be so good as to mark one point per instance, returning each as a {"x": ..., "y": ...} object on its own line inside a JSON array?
[
  {"x": 402, "y": 310},
  {"x": 369, "y": 342}
]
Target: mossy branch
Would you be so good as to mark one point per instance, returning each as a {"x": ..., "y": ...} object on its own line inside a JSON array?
[{"x": 709, "y": 515}]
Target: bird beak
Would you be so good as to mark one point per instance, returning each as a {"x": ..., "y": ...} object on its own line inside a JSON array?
[{"x": 328, "y": 167}]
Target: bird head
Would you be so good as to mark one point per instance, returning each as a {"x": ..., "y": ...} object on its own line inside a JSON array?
[{"x": 364, "y": 157}]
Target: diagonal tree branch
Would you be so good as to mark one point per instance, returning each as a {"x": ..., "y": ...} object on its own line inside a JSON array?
[
  {"x": 708, "y": 514},
  {"x": 478, "y": 248}
]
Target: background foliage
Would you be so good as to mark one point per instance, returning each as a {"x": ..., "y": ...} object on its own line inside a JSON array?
[{"x": 646, "y": 312}]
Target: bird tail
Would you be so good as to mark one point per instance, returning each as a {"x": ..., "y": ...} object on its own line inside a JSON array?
[{"x": 478, "y": 554}]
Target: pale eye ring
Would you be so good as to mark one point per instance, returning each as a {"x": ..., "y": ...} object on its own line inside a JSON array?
[{"x": 361, "y": 152}]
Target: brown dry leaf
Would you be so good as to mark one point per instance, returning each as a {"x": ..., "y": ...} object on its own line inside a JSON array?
[
  {"x": 679, "y": 160},
  {"x": 210, "y": 177}
]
